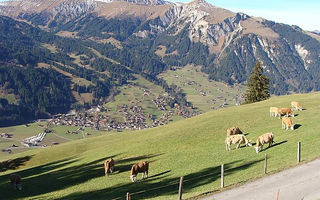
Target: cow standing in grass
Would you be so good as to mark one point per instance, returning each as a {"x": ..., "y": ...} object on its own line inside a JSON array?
[
  {"x": 140, "y": 167},
  {"x": 236, "y": 139},
  {"x": 296, "y": 105},
  {"x": 15, "y": 180},
  {"x": 285, "y": 111},
  {"x": 273, "y": 111},
  {"x": 287, "y": 123},
  {"x": 266, "y": 138},
  {"x": 108, "y": 166},
  {"x": 233, "y": 131}
]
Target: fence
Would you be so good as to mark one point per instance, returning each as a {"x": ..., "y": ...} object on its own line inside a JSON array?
[{"x": 180, "y": 190}]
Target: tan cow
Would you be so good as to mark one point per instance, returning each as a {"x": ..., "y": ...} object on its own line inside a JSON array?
[
  {"x": 287, "y": 123},
  {"x": 273, "y": 111},
  {"x": 108, "y": 166},
  {"x": 296, "y": 105},
  {"x": 233, "y": 131},
  {"x": 236, "y": 139},
  {"x": 15, "y": 180},
  {"x": 140, "y": 167},
  {"x": 264, "y": 139},
  {"x": 285, "y": 111}
]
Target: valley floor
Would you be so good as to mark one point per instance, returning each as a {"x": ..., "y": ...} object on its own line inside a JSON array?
[{"x": 297, "y": 183}]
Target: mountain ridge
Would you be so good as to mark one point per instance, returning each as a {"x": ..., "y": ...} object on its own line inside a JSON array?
[{"x": 231, "y": 43}]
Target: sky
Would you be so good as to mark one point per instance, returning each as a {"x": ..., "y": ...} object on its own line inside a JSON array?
[{"x": 304, "y": 13}]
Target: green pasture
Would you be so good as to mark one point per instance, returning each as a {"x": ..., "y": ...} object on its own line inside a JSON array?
[
  {"x": 132, "y": 95},
  {"x": 193, "y": 148},
  {"x": 216, "y": 93},
  {"x": 58, "y": 135}
]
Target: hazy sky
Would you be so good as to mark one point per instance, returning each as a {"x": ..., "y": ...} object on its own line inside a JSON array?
[{"x": 304, "y": 13}]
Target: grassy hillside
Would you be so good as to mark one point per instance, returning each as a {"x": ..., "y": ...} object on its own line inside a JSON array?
[
  {"x": 203, "y": 94},
  {"x": 58, "y": 135},
  {"x": 193, "y": 148}
]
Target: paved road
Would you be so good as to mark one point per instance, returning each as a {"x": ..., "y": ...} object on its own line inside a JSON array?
[{"x": 302, "y": 182}]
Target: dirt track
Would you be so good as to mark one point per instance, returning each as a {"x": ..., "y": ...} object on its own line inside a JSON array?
[{"x": 302, "y": 182}]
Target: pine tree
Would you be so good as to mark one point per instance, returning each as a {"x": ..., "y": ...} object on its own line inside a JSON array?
[{"x": 258, "y": 86}]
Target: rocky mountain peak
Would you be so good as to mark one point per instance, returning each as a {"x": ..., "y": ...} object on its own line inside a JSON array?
[
  {"x": 140, "y": 2},
  {"x": 199, "y": 2}
]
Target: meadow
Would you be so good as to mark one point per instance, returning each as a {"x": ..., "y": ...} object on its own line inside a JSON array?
[
  {"x": 193, "y": 148},
  {"x": 203, "y": 93}
]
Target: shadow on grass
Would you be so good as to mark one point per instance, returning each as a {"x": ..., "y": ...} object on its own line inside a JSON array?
[
  {"x": 159, "y": 185},
  {"x": 57, "y": 176},
  {"x": 296, "y": 126},
  {"x": 274, "y": 145},
  {"x": 13, "y": 163}
]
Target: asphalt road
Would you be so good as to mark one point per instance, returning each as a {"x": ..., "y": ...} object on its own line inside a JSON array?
[{"x": 301, "y": 182}]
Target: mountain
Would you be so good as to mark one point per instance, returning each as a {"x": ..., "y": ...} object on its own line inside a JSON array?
[
  {"x": 316, "y": 32},
  {"x": 149, "y": 37}
]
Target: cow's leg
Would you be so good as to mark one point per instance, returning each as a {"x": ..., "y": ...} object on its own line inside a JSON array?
[
  {"x": 142, "y": 175},
  {"x": 228, "y": 146},
  {"x": 238, "y": 145}
]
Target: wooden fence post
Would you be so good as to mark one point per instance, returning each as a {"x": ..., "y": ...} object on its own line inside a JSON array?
[
  {"x": 128, "y": 196},
  {"x": 222, "y": 176},
  {"x": 299, "y": 152},
  {"x": 265, "y": 163},
  {"x": 180, "y": 188}
]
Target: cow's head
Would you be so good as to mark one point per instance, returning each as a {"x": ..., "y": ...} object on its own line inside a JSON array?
[
  {"x": 133, "y": 178},
  {"x": 257, "y": 149}
]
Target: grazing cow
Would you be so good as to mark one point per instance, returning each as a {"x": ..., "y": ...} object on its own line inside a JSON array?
[
  {"x": 233, "y": 131},
  {"x": 273, "y": 111},
  {"x": 140, "y": 167},
  {"x": 296, "y": 105},
  {"x": 238, "y": 140},
  {"x": 285, "y": 111},
  {"x": 15, "y": 180},
  {"x": 263, "y": 139},
  {"x": 108, "y": 166},
  {"x": 287, "y": 123}
]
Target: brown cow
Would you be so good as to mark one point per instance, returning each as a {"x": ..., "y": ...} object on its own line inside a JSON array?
[
  {"x": 236, "y": 139},
  {"x": 287, "y": 123},
  {"x": 263, "y": 139},
  {"x": 285, "y": 111},
  {"x": 140, "y": 167},
  {"x": 233, "y": 131},
  {"x": 15, "y": 180},
  {"x": 108, "y": 166},
  {"x": 273, "y": 111},
  {"x": 296, "y": 105}
]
